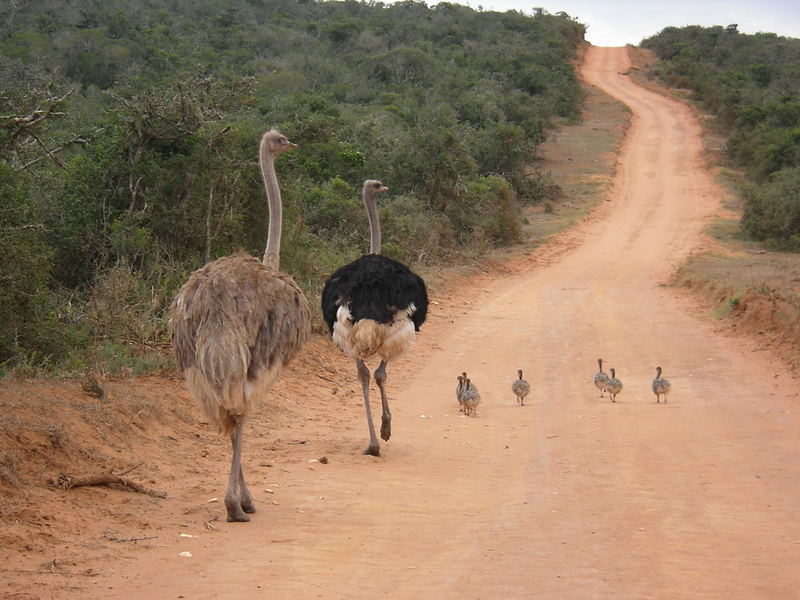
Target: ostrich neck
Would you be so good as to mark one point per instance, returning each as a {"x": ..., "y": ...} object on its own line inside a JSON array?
[
  {"x": 374, "y": 225},
  {"x": 272, "y": 253}
]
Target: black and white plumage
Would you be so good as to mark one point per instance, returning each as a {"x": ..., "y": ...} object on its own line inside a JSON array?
[
  {"x": 374, "y": 306},
  {"x": 601, "y": 378},
  {"x": 661, "y": 386},
  {"x": 377, "y": 288}
]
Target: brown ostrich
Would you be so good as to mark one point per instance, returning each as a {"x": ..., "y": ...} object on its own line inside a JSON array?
[{"x": 234, "y": 324}]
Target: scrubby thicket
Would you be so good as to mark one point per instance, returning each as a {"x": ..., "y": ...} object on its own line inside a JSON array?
[
  {"x": 752, "y": 84},
  {"x": 128, "y": 137}
]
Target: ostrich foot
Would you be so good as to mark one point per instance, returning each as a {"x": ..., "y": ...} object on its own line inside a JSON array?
[
  {"x": 248, "y": 505},
  {"x": 386, "y": 428},
  {"x": 373, "y": 450},
  {"x": 235, "y": 512}
]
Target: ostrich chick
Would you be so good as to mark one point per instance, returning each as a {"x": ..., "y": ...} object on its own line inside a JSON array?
[
  {"x": 613, "y": 386},
  {"x": 661, "y": 386},
  {"x": 471, "y": 398},
  {"x": 601, "y": 378},
  {"x": 521, "y": 388},
  {"x": 460, "y": 391}
]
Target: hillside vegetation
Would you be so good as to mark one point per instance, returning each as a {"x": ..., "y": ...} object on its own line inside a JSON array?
[
  {"x": 752, "y": 84},
  {"x": 128, "y": 137}
]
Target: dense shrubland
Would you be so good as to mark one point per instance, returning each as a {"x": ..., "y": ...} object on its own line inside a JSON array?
[
  {"x": 752, "y": 84},
  {"x": 128, "y": 136}
]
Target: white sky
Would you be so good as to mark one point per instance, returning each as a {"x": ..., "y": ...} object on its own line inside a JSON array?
[{"x": 620, "y": 22}]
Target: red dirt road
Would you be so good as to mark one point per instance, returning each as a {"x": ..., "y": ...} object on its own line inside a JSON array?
[{"x": 570, "y": 496}]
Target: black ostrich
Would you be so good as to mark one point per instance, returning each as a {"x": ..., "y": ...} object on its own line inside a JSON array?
[{"x": 374, "y": 305}]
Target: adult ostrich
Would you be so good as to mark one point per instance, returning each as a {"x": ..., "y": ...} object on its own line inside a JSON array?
[
  {"x": 234, "y": 324},
  {"x": 374, "y": 306}
]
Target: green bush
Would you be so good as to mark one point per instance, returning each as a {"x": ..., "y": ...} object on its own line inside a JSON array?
[{"x": 772, "y": 210}]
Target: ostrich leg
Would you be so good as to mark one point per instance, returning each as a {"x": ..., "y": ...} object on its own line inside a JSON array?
[
  {"x": 247, "y": 503},
  {"x": 374, "y": 447},
  {"x": 386, "y": 415},
  {"x": 233, "y": 501}
]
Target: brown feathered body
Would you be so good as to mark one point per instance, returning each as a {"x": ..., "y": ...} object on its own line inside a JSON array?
[
  {"x": 521, "y": 388},
  {"x": 235, "y": 324}
]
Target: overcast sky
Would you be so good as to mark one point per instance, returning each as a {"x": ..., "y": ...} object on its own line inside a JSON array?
[{"x": 620, "y": 22}]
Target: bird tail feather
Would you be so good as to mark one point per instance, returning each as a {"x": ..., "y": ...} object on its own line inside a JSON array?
[
  {"x": 367, "y": 336},
  {"x": 224, "y": 405}
]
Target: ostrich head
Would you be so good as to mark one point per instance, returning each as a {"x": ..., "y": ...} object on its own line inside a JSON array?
[
  {"x": 275, "y": 142},
  {"x": 519, "y": 373},
  {"x": 613, "y": 374},
  {"x": 658, "y": 372},
  {"x": 373, "y": 187}
]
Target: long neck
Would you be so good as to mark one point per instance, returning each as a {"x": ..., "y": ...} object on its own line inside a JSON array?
[
  {"x": 600, "y": 364},
  {"x": 272, "y": 253},
  {"x": 374, "y": 223}
]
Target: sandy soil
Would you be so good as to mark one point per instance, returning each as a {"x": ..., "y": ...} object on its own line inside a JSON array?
[{"x": 570, "y": 496}]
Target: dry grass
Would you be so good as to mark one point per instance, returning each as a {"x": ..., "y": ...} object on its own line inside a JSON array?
[
  {"x": 732, "y": 279},
  {"x": 755, "y": 292}
]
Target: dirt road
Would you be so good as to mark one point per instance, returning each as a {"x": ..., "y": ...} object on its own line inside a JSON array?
[{"x": 570, "y": 496}]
